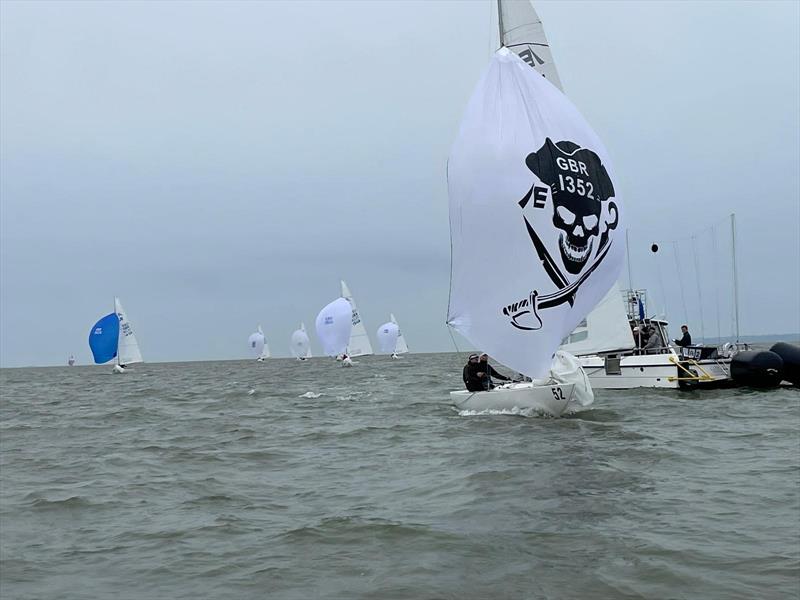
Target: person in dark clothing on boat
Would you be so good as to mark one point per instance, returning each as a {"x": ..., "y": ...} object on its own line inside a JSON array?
[
  {"x": 653, "y": 344},
  {"x": 686, "y": 340},
  {"x": 490, "y": 371},
  {"x": 474, "y": 377}
]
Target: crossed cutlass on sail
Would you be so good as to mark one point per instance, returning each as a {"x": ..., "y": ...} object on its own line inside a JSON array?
[{"x": 578, "y": 185}]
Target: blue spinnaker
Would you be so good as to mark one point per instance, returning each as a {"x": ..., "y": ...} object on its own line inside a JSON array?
[{"x": 103, "y": 338}]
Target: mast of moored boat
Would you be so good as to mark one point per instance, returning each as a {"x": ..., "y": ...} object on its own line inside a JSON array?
[{"x": 735, "y": 276}]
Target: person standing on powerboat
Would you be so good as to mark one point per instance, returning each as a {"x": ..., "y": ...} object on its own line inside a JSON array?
[{"x": 686, "y": 340}]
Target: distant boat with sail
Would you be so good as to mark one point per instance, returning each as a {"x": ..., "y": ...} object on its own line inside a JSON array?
[
  {"x": 300, "y": 344},
  {"x": 401, "y": 347},
  {"x": 359, "y": 344},
  {"x": 535, "y": 223},
  {"x": 390, "y": 338},
  {"x": 334, "y": 325},
  {"x": 258, "y": 345},
  {"x": 71, "y": 360},
  {"x": 112, "y": 337}
]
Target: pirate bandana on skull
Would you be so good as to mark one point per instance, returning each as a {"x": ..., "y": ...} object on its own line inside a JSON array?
[{"x": 579, "y": 187}]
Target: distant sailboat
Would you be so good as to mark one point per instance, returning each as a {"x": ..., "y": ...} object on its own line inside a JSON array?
[
  {"x": 359, "y": 341},
  {"x": 301, "y": 345},
  {"x": 71, "y": 360},
  {"x": 258, "y": 345},
  {"x": 387, "y": 336},
  {"x": 112, "y": 337},
  {"x": 401, "y": 347},
  {"x": 334, "y": 326}
]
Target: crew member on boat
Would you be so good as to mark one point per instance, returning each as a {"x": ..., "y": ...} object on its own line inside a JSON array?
[
  {"x": 474, "y": 377},
  {"x": 686, "y": 340},
  {"x": 653, "y": 345},
  {"x": 490, "y": 372}
]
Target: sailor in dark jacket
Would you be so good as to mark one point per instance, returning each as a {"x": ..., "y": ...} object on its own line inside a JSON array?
[
  {"x": 490, "y": 371},
  {"x": 686, "y": 340},
  {"x": 474, "y": 376}
]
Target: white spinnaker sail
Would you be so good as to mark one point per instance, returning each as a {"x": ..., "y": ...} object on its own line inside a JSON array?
[
  {"x": 334, "y": 324},
  {"x": 535, "y": 220},
  {"x": 256, "y": 342},
  {"x": 387, "y": 337},
  {"x": 301, "y": 345},
  {"x": 127, "y": 347},
  {"x": 522, "y": 31},
  {"x": 606, "y": 328},
  {"x": 401, "y": 347},
  {"x": 359, "y": 340}
]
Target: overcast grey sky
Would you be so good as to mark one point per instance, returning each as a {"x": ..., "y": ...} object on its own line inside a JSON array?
[{"x": 219, "y": 165}]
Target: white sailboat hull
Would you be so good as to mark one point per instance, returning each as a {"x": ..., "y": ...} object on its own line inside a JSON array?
[
  {"x": 552, "y": 399},
  {"x": 648, "y": 371}
]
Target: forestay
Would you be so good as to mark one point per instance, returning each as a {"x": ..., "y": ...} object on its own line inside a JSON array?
[
  {"x": 387, "y": 337},
  {"x": 359, "y": 344},
  {"x": 128, "y": 348},
  {"x": 334, "y": 324},
  {"x": 535, "y": 218},
  {"x": 521, "y": 31}
]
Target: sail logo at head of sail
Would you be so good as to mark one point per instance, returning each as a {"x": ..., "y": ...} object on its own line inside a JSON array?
[
  {"x": 98, "y": 331},
  {"x": 579, "y": 190},
  {"x": 328, "y": 320},
  {"x": 356, "y": 318}
]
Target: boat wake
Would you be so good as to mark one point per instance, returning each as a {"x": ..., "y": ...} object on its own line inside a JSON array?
[{"x": 309, "y": 395}]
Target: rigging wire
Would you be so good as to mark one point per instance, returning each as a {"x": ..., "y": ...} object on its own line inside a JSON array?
[
  {"x": 714, "y": 267},
  {"x": 699, "y": 291},
  {"x": 680, "y": 281}
]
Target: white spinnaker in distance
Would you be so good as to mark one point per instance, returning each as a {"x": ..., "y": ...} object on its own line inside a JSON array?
[
  {"x": 359, "y": 344},
  {"x": 256, "y": 342},
  {"x": 401, "y": 347},
  {"x": 334, "y": 324},
  {"x": 127, "y": 347},
  {"x": 387, "y": 335},
  {"x": 301, "y": 345},
  {"x": 606, "y": 328},
  {"x": 522, "y": 31},
  {"x": 520, "y": 139}
]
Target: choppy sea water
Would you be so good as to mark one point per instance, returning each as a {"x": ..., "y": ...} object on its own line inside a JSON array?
[{"x": 306, "y": 480}]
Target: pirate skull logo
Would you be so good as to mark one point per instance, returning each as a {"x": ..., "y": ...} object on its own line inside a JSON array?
[{"x": 579, "y": 184}]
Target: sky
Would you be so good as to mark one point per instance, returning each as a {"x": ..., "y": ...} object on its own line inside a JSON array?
[{"x": 223, "y": 165}]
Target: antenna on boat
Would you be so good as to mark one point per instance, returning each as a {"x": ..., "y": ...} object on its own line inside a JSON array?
[
  {"x": 500, "y": 22},
  {"x": 735, "y": 277}
]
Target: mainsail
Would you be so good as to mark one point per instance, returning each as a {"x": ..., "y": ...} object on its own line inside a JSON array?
[
  {"x": 334, "y": 324},
  {"x": 301, "y": 345},
  {"x": 401, "y": 347},
  {"x": 265, "y": 350},
  {"x": 521, "y": 31},
  {"x": 535, "y": 218},
  {"x": 605, "y": 329},
  {"x": 387, "y": 337},
  {"x": 128, "y": 348},
  {"x": 359, "y": 341}
]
